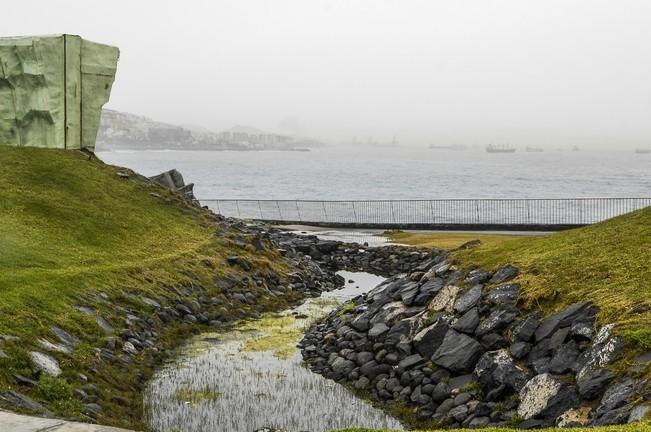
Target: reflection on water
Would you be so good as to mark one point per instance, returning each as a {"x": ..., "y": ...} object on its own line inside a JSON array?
[{"x": 234, "y": 383}]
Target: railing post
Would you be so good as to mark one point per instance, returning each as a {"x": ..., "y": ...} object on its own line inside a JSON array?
[
  {"x": 279, "y": 212},
  {"x": 260, "y": 208},
  {"x": 237, "y": 204},
  {"x": 300, "y": 218}
]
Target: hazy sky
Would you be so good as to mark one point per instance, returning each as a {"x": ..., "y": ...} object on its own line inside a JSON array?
[{"x": 546, "y": 72}]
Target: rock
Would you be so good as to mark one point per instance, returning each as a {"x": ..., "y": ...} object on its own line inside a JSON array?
[
  {"x": 441, "y": 392},
  {"x": 476, "y": 277},
  {"x": 458, "y": 413},
  {"x": 378, "y": 330},
  {"x": 445, "y": 299},
  {"x": 52, "y": 347},
  {"x": 592, "y": 385},
  {"x": 151, "y": 302},
  {"x": 21, "y": 380},
  {"x": 468, "y": 322},
  {"x": 458, "y": 352},
  {"x": 613, "y": 417},
  {"x": 361, "y": 323},
  {"x": 616, "y": 396},
  {"x": 493, "y": 342},
  {"x": 129, "y": 348},
  {"x": 564, "y": 318},
  {"x": 503, "y": 294},
  {"x": 638, "y": 413},
  {"x": 520, "y": 350},
  {"x": 497, "y": 367},
  {"x": 564, "y": 358},
  {"x": 342, "y": 367},
  {"x": 428, "y": 340},
  {"x": 525, "y": 329},
  {"x": 479, "y": 422},
  {"x": 544, "y": 396},
  {"x": 410, "y": 361},
  {"x": 469, "y": 299},
  {"x": 604, "y": 351},
  {"x": 17, "y": 400},
  {"x": 91, "y": 409},
  {"x": 497, "y": 320},
  {"x": 573, "y": 417},
  {"x": 45, "y": 363},
  {"x": 459, "y": 382},
  {"x": 504, "y": 274},
  {"x": 64, "y": 336}
]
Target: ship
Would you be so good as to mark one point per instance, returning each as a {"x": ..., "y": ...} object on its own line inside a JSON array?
[
  {"x": 642, "y": 151},
  {"x": 493, "y": 148}
]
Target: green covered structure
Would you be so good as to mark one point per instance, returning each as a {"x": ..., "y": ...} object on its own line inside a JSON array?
[{"x": 52, "y": 89}]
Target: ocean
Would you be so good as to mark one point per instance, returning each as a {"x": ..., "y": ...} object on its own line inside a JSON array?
[{"x": 398, "y": 173}]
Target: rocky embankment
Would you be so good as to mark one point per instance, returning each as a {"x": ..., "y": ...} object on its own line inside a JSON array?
[{"x": 457, "y": 349}]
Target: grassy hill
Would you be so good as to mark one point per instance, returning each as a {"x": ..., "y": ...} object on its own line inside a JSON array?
[
  {"x": 73, "y": 232},
  {"x": 640, "y": 427},
  {"x": 608, "y": 263}
]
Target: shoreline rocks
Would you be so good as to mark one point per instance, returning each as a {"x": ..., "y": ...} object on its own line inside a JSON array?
[{"x": 470, "y": 357}]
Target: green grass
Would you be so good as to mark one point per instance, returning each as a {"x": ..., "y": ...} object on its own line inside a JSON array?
[
  {"x": 608, "y": 263},
  {"x": 72, "y": 229},
  {"x": 444, "y": 239}
]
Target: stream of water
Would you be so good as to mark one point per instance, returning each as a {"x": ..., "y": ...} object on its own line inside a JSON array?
[{"x": 254, "y": 377}]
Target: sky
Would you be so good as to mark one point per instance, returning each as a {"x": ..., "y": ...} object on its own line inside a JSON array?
[{"x": 519, "y": 72}]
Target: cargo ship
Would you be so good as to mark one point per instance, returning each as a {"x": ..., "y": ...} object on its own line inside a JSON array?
[{"x": 493, "y": 148}]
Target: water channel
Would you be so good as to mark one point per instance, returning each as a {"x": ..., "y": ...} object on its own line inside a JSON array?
[{"x": 254, "y": 377}]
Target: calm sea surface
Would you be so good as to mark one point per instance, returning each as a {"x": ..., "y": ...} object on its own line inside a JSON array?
[{"x": 383, "y": 173}]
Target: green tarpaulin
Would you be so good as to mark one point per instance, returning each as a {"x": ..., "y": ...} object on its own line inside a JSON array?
[{"x": 52, "y": 89}]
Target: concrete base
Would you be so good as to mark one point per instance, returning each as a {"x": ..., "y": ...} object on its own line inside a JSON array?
[{"x": 10, "y": 422}]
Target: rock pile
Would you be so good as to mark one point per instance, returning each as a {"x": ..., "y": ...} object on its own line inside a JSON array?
[{"x": 457, "y": 348}]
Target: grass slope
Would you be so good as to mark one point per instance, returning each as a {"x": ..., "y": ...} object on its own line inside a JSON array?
[
  {"x": 445, "y": 239},
  {"x": 608, "y": 263},
  {"x": 73, "y": 232}
]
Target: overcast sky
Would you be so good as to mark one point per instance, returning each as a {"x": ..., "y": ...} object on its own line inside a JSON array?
[{"x": 457, "y": 71}]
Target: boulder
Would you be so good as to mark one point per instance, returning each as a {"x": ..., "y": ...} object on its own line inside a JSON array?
[
  {"x": 497, "y": 367},
  {"x": 468, "y": 300},
  {"x": 444, "y": 300},
  {"x": 468, "y": 322},
  {"x": 578, "y": 312},
  {"x": 19, "y": 401},
  {"x": 524, "y": 329},
  {"x": 458, "y": 352},
  {"x": 592, "y": 385},
  {"x": 504, "y": 274},
  {"x": 543, "y": 396},
  {"x": 45, "y": 363},
  {"x": 378, "y": 330},
  {"x": 603, "y": 351},
  {"x": 476, "y": 277},
  {"x": 616, "y": 396},
  {"x": 428, "y": 340},
  {"x": 497, "y": 320},
  {"x": 503, "y": 294}
]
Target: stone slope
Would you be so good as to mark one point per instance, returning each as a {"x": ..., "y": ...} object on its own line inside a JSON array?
[{"x": 458, "y": 349}]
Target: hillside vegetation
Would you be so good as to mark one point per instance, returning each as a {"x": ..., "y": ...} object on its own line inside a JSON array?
[
  {"x": 639, "y": 427},
  {"x": 608, "y": 263},
  {"x": 75, "y": 233}
]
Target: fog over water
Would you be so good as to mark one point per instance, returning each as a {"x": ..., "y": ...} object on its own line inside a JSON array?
[{"x": 546, "y": 72}]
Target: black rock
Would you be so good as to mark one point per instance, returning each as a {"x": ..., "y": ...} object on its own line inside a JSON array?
[
  {"x": 458, "y": 352},
  {"x": 476, "y": 277},
  {"x": 19, "y": 401},
  {"x": 504, "y": 274},
  {"x": 524, "y": 330},
  {"x": 468, "y": 322},
  {"x": 564, "y": 358},
  {"x": 410, "y": 361},
  {"x": 469, "y": 299},
  {"x": 520, "y": 350},
  {"x": 493, "y": 342},
  {"x": 441, "y": 392},
  {"x": 428, "y": 340},
  {"x": 503, "y": 294},
  {"x": 578, "y": 312},
  {"x": 592, "y": 385},
  {"x": 495, "y": 368},
  {"x": 616, "y": 395},
  {"x": 497, "y": 320}
]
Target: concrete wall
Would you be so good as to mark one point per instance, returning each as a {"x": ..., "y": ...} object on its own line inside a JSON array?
[{"x": 52, "y": 89}]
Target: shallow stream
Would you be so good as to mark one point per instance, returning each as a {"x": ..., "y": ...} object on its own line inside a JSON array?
[{"x": 254, "y": 377}]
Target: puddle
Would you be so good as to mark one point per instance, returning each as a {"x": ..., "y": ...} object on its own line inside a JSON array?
[{"x": 254, "y": 377}]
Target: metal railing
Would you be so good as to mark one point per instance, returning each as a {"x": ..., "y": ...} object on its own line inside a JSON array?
[{"x": 441, "y": 213}]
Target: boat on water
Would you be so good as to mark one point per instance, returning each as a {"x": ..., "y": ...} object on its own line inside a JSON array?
[
  {"x": 643, "y": 151},
  {"x": 499, "y": 148},
  {"x": 531, "y": 149}
]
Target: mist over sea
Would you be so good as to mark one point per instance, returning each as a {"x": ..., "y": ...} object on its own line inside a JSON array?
[{"x": 399, "y": 173}]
